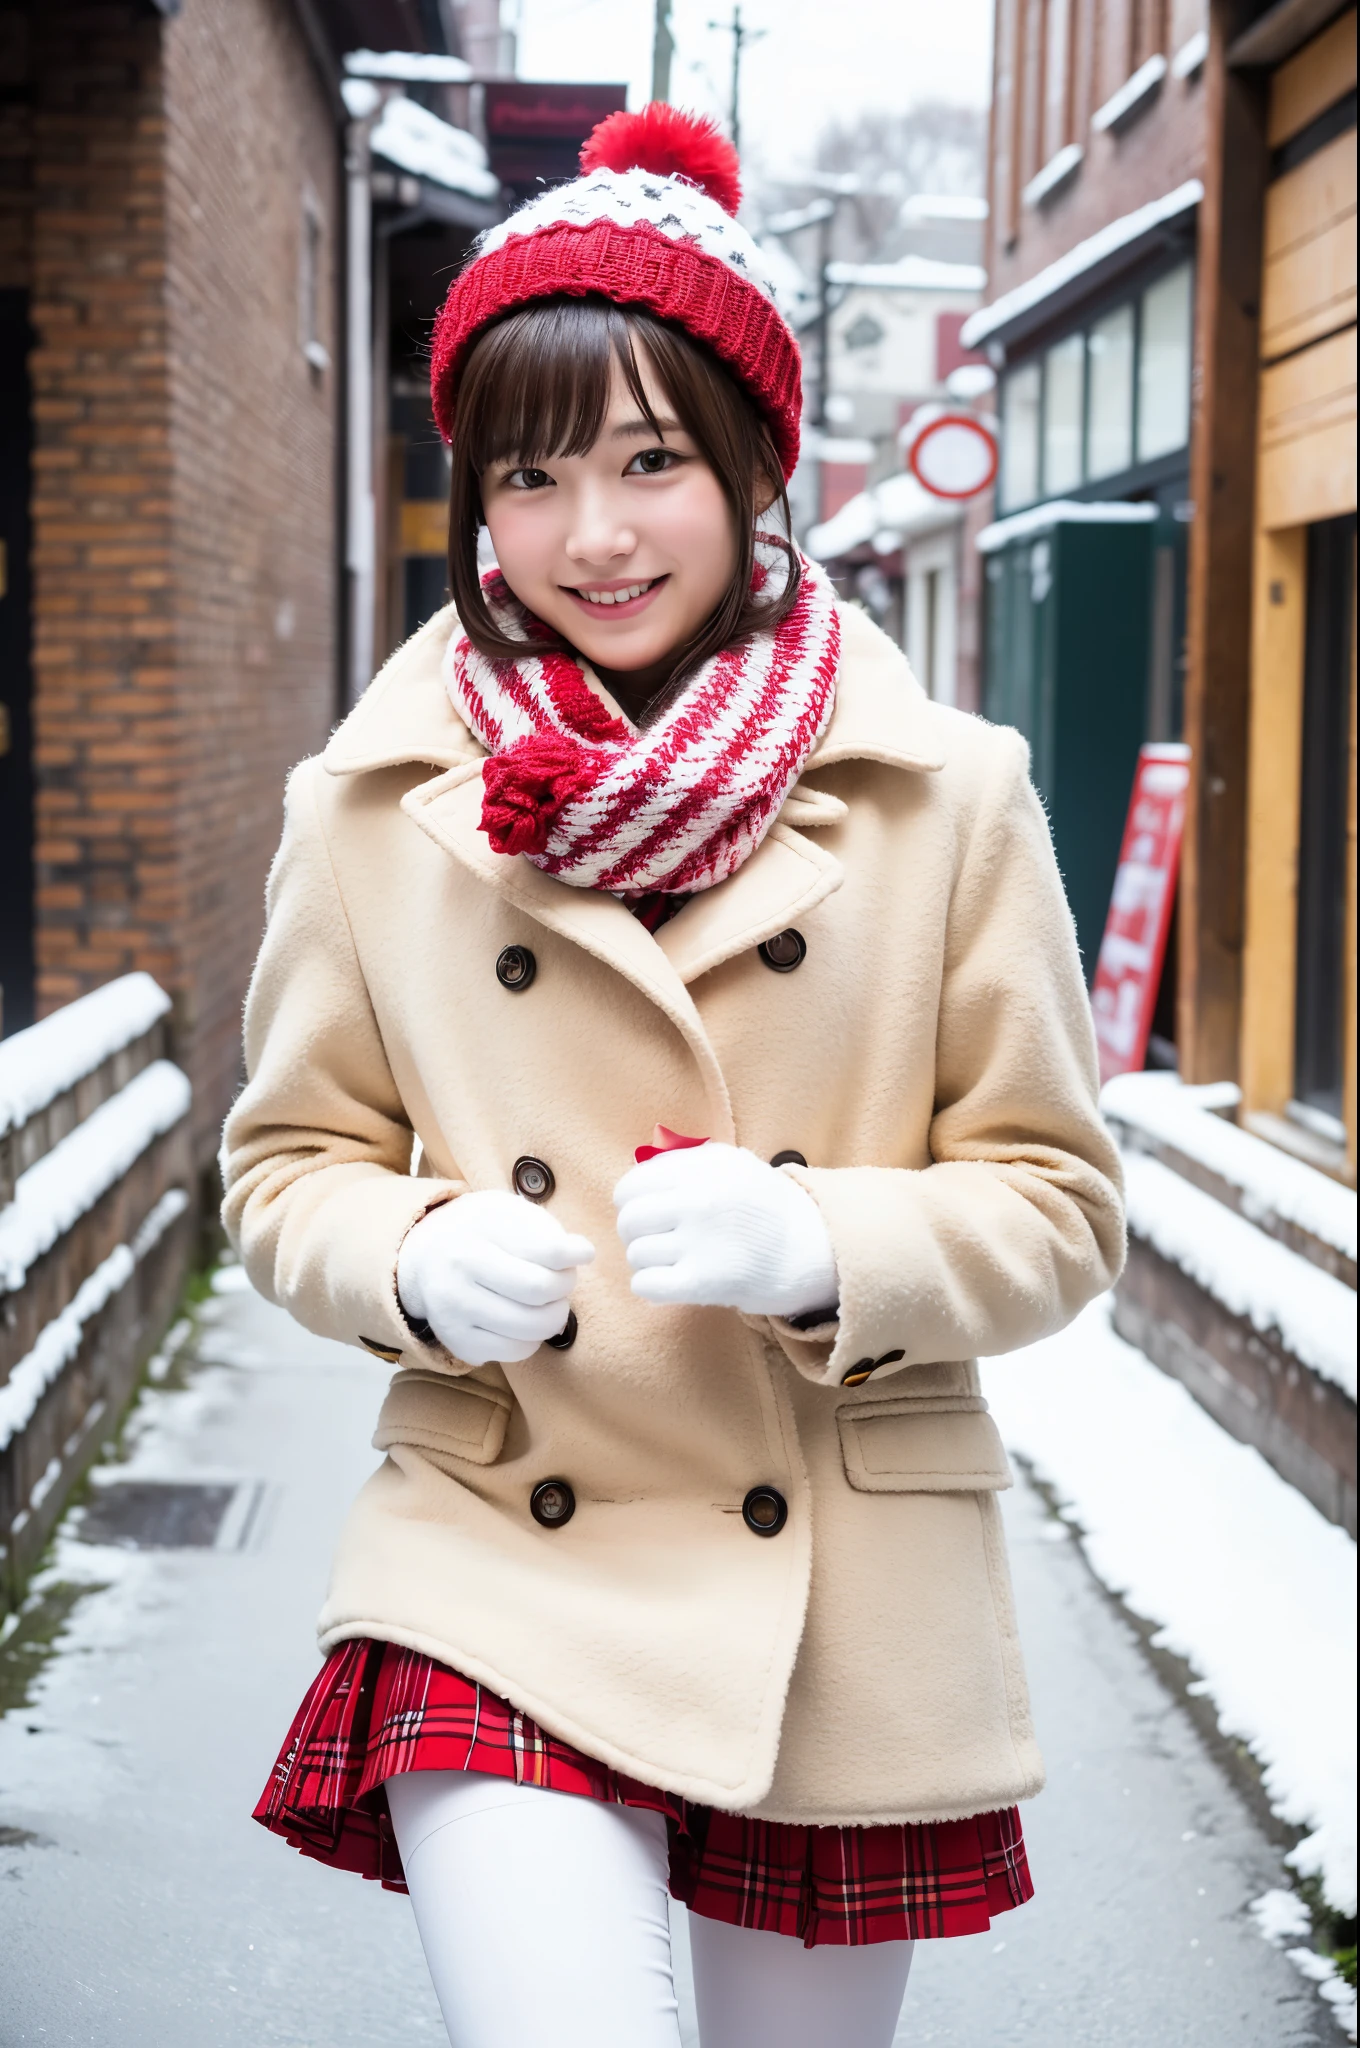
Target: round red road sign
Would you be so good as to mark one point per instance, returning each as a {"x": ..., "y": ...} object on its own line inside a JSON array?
[{"x": 954, "y": 457}]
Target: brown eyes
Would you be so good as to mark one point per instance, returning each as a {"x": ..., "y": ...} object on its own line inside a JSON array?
[{"x": 652, "y": 462}]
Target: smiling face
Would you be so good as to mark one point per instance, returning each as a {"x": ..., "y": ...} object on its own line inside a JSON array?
[
  {"x": 625, "y": 549},
  {"x": 621, "y": 470}
]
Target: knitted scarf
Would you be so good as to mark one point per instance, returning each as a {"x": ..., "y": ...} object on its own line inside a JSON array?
[{"x": 677, "y": 807}]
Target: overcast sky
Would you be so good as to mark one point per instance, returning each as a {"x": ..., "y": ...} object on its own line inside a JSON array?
[{"x": 818, "y": 59}]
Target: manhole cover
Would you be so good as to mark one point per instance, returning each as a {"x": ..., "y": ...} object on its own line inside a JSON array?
[{"x": 157, "y": 1514}]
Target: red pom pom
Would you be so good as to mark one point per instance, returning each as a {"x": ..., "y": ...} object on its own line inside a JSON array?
[
  {"x": 524, "y": 788},
  {"x": 671, "y": 144}
]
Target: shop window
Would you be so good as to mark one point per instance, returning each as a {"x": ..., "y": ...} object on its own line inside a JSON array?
[
  {"x": 1164, "y": 366},
  {"x": 1319, "y": 1007},
  {"x": 1110, "y": 419},
  {"x": 1064, "y": 395},
  {"x": 1101, "y": 400},
  {"x": 1020, "y": 429}
]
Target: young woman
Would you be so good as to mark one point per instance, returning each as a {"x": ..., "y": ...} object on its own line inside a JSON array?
[{"x": 728, "y": 986}]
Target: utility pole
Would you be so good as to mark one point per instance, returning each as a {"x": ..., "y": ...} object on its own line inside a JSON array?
[
  {"x": 741, "y": 36},
  {"x": 663, "y": 49}
]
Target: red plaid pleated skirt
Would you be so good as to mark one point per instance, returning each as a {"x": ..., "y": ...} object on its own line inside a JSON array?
[{"x": 376, "y": 1709}]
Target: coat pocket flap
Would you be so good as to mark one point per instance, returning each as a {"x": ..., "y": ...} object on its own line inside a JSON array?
[
  {"x": 906, "y": 1444},
  {"x": 462, "y": 1418}
]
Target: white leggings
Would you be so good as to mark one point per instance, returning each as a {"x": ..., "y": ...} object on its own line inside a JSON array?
[{"x": 543, "y": 1917}]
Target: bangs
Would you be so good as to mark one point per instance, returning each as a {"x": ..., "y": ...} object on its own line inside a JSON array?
[{"x": 537, "y": 385}]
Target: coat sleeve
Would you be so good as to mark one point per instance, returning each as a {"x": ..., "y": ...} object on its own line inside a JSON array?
[
  {"x": 1018, "y": 1221},
  {"x": 317, "y": 1149}
]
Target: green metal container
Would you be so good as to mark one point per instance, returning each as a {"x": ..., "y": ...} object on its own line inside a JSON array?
[{"x": 1068, "y": 626}]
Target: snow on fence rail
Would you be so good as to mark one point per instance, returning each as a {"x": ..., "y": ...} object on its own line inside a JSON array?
[{"x": 95, "y": 1217}]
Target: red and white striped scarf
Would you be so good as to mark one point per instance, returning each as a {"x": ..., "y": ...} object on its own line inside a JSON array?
[{"x": 676, "y": 807}]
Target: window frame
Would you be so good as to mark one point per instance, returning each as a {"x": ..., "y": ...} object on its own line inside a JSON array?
[{"x": 1127, "y": 292}]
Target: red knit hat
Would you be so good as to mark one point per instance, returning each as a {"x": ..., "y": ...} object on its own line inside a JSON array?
[{"x": 649, "y": 223}]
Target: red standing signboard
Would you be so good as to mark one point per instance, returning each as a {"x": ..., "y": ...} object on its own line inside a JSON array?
[{"x": 1131, "y": 953}]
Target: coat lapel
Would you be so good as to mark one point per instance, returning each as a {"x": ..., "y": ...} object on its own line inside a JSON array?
[{"x": 449, "y": 809}]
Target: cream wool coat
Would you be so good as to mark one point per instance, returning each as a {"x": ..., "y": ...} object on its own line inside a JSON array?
[{"x": 932, "y": 1058}]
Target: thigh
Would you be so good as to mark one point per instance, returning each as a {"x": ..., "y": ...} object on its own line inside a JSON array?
[
  {"x": 542, "y": 1915},
  {"x": 757, "y": 1990}
]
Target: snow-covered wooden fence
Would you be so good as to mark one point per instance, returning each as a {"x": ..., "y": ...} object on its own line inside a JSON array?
[{"x": 95, "y": 1224}]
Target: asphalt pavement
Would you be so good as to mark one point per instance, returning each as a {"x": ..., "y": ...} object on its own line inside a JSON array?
[{"x": 147, "y": 1691}]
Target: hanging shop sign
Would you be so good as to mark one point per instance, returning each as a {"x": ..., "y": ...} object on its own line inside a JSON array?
[
  {"x": 955, "y": 456},
  {"x": 1129, "y": 968}
]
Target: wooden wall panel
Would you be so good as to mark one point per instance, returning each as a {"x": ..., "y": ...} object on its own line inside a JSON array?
[
  {"x": 1308, "y": 280},
  {"x": 1307, "y": 412},
  {"x": 1279, "y": 606},
  {"x": 1223, "y": 490},
  {"x": 1312, "y": 81}
]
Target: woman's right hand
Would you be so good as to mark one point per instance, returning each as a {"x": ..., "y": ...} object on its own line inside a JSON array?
[{"x": 491, "y": 1274}]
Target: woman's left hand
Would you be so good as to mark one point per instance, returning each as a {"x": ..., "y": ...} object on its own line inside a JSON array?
[{"x": 715, "y": 1227}]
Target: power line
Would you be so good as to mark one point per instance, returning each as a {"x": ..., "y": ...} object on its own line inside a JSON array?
[{"x": 741, "y": 36}]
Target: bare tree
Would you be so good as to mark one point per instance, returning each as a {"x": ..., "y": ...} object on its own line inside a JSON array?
[{"x": 933, "y": 147}]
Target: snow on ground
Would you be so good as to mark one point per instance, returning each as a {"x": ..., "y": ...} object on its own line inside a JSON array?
[
  {"x": 1281, "y": 1917},
  {"x": 41, "y": 1063},
  {"x": 1198, "y": 1534},
  {"x": 1267, "y": 1178},
  {"x": 68, "y": 1180},
  {"x": 1251, "y": 1274}
]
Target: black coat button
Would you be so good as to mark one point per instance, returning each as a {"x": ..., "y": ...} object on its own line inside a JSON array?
[
  {"x": 764, "y": 1511},
  {"x": 552, "y": 1503},
  {"x": 532, "y": 1179},
  {"x": 858, "y": 1373},
  {"x": 566, "y": 1336},
  {"x": 516, "y": 968},
  {"x": 784, "y": 952},
  {"x": 788, "y": 1159}
]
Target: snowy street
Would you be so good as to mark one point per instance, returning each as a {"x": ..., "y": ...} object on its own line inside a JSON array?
[{"x": 143, "y": 1909}]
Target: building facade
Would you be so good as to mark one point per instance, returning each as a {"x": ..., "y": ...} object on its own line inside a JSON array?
[
  {"x": 1096, "y": 155},
  {"x": 1171, "y": 317}
]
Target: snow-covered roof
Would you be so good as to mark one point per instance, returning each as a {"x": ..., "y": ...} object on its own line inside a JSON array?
[
  {"x": 408, "y": 67},
  {"x": 1110, "y": 242},
  {"x": 415, "y": 140},
  {"x": 899, "y": 505},
  {"x": 924, "y": 206},
  {"x": 1063, "y": 512},
  {"x": 910, "y": 273}
]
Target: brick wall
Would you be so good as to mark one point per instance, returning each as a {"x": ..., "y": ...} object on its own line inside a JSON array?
[
  {"x": 250, "y": 157},
  {"x": 1158, "y": 150},
  {"x": 103, "y": 725},
  {"x": 158, "y": 183}
]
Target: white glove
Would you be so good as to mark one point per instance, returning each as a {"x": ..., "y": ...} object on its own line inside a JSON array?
[
  {"x": 491, "y": 1274},
  {"x": 716, "y": 1227}
]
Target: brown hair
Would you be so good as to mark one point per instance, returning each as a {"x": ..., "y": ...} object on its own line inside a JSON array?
[{"x": 536, "y": 384}]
